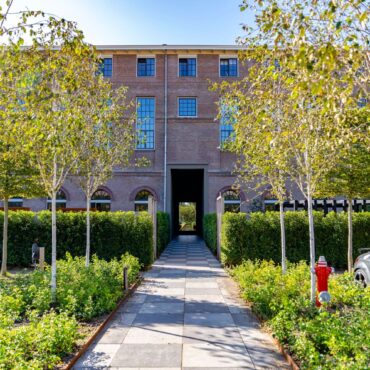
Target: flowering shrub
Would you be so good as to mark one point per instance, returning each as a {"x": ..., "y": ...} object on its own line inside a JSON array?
[{"x": 333, "y": 337}]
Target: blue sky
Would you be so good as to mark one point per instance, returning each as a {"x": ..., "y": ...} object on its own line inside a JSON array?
[{"x": 149, "y": 21}]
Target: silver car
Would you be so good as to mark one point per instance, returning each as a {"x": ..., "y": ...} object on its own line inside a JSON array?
[{"x": 362, "y": 269}]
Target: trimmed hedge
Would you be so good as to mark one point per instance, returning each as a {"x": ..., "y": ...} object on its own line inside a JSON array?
[
  {"x": 258, "y": 237},
  {"x": 163, "y": 231},
  {"x": 112, "y": 234},
  {"x": 210, "y": 231}
]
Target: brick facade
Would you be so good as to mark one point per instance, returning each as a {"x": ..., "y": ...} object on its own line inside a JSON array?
[{"x": 191, "y": 142}]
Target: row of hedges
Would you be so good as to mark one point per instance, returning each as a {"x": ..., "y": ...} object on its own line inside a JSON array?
[
  {"x": 163, "y": 231},
  {"x": 258, "y": 236},
  {"x": 112, "y": 234},
  {"x": 210, "y": 231}
]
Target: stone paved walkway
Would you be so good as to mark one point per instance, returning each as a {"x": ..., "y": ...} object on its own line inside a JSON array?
[{"x": 186, "y": 315}]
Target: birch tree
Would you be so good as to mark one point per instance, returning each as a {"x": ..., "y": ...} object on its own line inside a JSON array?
[
  {"x": 255, "y": 107},
  {"x": 323, "y": 45},
  {"x": 17, "y": 177},
  {"x": 108, "y": 140},
  {"x": 61, "y": 66}
]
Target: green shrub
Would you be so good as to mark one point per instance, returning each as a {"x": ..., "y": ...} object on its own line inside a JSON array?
[
  {"x": 112, "y": 234},
  {"x": 163, "y": 231},
  {"x": 40, "y": 344},
  {"x": 258, "y": 237},
  {"x": 32, "y": 336},
  {"x": 210, "y": 231},
  {"x": 334, "y": 338},
  {"x": 83, "y": 292},
  {"x": 93, "y": 291}
]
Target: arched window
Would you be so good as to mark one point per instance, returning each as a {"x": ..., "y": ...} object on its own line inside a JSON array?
[
  {"x": 142, "y": 200},
  {"x": 61, "y": 201},
  {"x": 101, "y": 201},
  {"x": 15, "y": 202},
  {"x": 231, "y": 201}
]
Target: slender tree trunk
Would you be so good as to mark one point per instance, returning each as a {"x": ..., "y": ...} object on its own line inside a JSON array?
[
  {"x": 312, "y": 247},
  {"x": 283, "y": 243},
  {"x": 87, "y": 262},
  {"x": 4, "y": 260},
  {"x": 350, "y": 237},
  {"x": 53, "y": 247}
]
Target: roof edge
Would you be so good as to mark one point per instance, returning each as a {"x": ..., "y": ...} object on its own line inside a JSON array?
[{"x": 169, "y": 47}]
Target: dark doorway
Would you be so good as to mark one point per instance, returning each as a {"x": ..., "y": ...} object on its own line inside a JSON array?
[{"x": 187, "y": 199}]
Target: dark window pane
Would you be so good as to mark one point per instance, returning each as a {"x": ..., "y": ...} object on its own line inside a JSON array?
[
  {"x": 141, "y": 207},
  {"x": 231, "y": 201},
  {"x": 106, "y": 67},
  {"x": 187, "y": 67},
  {"x": 145, "y": 67},
  {"x": 229, "y": 67},
  {"x": 15, "y": 202},
  {"x": 100, "y": 195},
  {"x": 187, "y": 107}
]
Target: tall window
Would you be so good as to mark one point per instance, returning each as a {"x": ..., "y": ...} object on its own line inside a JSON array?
[
  {"x": 61, "y": 201},
  {"x": 187, "y": 107},
  {"x": 106, "y": 67},
  {"x": 145, "y": 67},
  {"x": 228, "y": 67},
  {"x": 231, "y": 201},
  {"x": 187, "y": 67},
  {"x": 101, "y": 201},
  {"x": 226, "y": 124},
  {"x": 15, "y": 202},
  {"x": 145, "y": 123},
  {"x": 142, "y": 201}
]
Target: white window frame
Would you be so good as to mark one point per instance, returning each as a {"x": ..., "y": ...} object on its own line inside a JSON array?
[
  {"x": 155, "y": 123},
  {"x": 187, "y": 56},
  {"x": 228, "y": 56},
  {"x": 138, "y": 56},
  {"x": 196, "y": 106}
]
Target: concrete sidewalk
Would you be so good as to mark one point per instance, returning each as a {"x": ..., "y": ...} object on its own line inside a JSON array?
[{"x": 186, "y": 315}]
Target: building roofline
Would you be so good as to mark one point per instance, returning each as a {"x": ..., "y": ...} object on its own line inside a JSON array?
[{"x": 169, "y": 47}]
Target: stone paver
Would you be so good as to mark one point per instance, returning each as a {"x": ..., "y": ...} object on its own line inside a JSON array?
[{"x": 186, "y": 315}]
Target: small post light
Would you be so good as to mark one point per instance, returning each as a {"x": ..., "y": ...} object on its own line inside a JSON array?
[{"x": 125, "y": 278}]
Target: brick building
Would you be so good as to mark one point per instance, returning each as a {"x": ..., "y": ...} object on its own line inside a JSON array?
[
  {"x": 179, "y": 132},
  {"x": 178, "y": 129}
]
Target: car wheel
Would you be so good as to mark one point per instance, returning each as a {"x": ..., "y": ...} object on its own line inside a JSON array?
[{"x": 360, "y": 278}]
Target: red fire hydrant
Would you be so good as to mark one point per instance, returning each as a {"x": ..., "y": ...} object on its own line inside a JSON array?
[{"x": 322, "y": 271}]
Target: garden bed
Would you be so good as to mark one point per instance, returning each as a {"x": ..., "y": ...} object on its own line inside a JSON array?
[
  {"x": 34, "y": 336},
  {"x": 336, "y": 336}
]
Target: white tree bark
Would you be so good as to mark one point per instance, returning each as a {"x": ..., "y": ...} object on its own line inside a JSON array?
[
  {"x": 4, "y": 260},
  {"x": 53, "y": 246},
  {"x": 87, "y": 261},
  {"x": 350, "y": 237},
  {"x": 312, "y": 247},
  {"x": 283, "y": 242}
]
